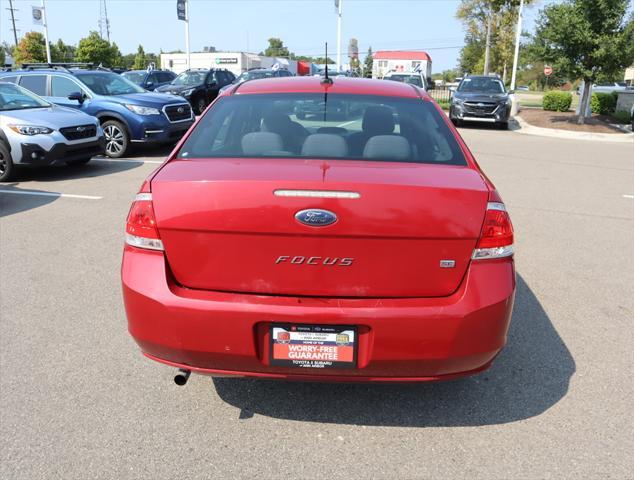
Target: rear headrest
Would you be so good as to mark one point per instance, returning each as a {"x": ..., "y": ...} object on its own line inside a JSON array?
[
  {"x": 388, "y": 147},
  {"x": 378, "y": 121},
  {"x": 325, "y": 145},
  {"x": 261, "y": 143}
]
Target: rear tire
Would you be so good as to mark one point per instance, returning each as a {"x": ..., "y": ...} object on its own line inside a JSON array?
[
  {"x": 117, "y": 138},
  {"x": 6, "y": 163}
]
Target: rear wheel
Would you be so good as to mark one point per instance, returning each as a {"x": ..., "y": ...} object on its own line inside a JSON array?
[
  {"x": 6, "y": 163},
  {"x": 117, "y": 138}
]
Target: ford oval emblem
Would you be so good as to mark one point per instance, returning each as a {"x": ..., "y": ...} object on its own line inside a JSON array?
[{"x": 315, "y": 217}]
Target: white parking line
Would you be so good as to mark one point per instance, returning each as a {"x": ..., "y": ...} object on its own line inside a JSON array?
[
  {"x": 628, "y": 196},
  {"x": 51, "y": 194},
  {"x": 124, "y": 160}
]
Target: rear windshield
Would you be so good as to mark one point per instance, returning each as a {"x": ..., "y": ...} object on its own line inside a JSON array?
[{"x": 318, "y": 126}]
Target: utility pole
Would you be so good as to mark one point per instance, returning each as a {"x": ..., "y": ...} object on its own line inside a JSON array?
[
  {"x": 518, "y": 34},
  {"x": 12, "y": 10},
  {"x": 339, "y": 6},
  {"x": 487, "y": 49}
]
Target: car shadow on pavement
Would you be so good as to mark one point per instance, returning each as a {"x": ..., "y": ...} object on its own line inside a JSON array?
[
  {"x": 11, "y": 203},
  {"x": 531, "y": 375},
  {"x": 95, "y": 168}
]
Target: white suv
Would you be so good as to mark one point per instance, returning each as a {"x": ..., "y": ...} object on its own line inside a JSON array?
[{"x": 35, "y": 132}]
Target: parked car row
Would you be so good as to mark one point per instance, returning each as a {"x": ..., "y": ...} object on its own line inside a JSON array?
[{"x": 127, "y": 113}]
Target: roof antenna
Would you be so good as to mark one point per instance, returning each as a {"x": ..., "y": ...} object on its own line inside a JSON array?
[{"x": 326, "y": 79}]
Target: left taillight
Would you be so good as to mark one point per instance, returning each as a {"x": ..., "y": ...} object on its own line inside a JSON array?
[
  {"x": 140, "y": 228},
  {"x": 496, "y": 240}
]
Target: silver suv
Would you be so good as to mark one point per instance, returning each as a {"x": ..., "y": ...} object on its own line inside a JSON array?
[{"x": 35, "y": 132}]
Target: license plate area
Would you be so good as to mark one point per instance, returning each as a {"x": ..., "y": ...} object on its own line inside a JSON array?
[{"x": 313, "y": 346}]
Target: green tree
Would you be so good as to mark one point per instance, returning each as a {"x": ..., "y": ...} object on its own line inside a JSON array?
[
  {"x": 3, "y": 56},
  {"x": 94, "y": 49},
  {"x": 61, "y": 52},
  {"x": 586, "y": 39},
  {"x": 140, "y": 61},
  {"x": 276, "y": 48},
  {"x": 31, "y": 49},
  {"x": 478, "y": 16},
  {"x": 368, "y": 63}
]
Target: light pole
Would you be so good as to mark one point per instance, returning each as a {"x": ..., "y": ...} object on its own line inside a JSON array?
[
  {"x": 189, "y": 60},
  {"x": 48, "y": 47},
  {"x": 518, "y": 34},
  {"x": 339, "y": 6}
]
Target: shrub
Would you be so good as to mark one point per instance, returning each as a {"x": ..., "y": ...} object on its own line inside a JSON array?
[
  {"x": 603, "y": 103},
  {"x": 622, "y": 116},
  {"x": 557, "y": 101}
]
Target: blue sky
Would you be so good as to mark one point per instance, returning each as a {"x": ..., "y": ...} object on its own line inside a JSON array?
[{"x": 303, "y": 25}]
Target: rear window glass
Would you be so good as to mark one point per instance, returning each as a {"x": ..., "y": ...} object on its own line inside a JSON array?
[
  {"x": 35, "y": 83},
  {"x": 319, "y": 126}
]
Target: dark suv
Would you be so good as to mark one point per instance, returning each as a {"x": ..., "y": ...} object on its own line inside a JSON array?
[
  {"x": 481, "y": 98},
  {"x": 149, "y": 79},
  {"x": 199, "y": 86}
]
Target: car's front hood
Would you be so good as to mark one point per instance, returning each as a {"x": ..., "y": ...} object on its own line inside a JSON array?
[
  {"x": 175, "y": 89},
  {"x": 148, "y": 99},
  {"x": 482, "y": 97},
  {"x": 53, "y": 117}
]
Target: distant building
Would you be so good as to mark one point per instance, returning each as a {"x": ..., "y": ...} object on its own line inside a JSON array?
[
  {"x": 236, "y": 62},
  {"x": 400, "y": 61}
]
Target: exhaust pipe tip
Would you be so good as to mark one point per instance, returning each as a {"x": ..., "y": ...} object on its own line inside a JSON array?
[{"x": 181, "y": 377}]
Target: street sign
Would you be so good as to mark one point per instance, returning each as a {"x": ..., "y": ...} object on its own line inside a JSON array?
[{"x": 548, "y": 71}]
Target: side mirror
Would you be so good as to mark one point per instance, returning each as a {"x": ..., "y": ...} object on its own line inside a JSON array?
[
  {"x": 77, "y": 96},
  {"x": 149, "y": 85}
]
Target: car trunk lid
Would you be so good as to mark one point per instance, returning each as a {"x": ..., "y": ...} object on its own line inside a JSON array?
[{"x": 402, "y": 229}]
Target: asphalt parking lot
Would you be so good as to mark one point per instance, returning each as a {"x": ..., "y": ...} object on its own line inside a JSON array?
[{"x": 78, "y": 401}]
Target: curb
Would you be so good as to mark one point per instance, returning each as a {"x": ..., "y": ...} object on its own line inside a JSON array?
[{"x": 529, "y": 129}]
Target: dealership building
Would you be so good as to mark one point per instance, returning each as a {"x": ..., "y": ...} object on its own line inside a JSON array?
[
  {"x": 236, "y": 62},
  {"x": 400, "y": 61}
]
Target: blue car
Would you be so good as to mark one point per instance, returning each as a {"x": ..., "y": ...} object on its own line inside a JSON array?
[{"x": 128, "y": 114}]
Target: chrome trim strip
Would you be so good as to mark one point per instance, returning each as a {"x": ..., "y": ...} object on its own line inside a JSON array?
[
  {"x": 479, "y": 119},
  {"x": 191, "y": 112}
]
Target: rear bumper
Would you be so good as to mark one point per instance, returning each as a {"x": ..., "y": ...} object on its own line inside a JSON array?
[{"x": 412, "y": 339}]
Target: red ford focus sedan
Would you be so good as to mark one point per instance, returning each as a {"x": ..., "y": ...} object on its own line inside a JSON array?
[{"x": 308, "y": 229}]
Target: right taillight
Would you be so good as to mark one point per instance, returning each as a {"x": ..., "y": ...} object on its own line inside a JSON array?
[
  {"x": 140, "y": 228},
  {"x": 496, "y": 240}
]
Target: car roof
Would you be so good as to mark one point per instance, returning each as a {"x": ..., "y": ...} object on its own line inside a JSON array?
[
  {"x": 342, "y": 85},
  {"x": 145, "y": 70}
]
